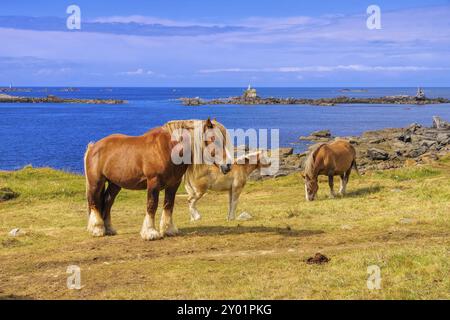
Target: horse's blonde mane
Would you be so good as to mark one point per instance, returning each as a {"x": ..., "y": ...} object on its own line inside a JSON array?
[
  {"x": 196, "y": 135},
  {"x": 173, "y": 125},
  {"x": 309, "y": 163}
]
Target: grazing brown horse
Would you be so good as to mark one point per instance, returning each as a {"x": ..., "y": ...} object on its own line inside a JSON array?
[
  {"x": 336, "y": 158},
  {"x": 142, "y": 163}
]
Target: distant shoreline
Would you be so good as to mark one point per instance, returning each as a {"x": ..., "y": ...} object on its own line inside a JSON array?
[
  {"x": 4, "y": 98},
  {"x": 316, "y": 102}
]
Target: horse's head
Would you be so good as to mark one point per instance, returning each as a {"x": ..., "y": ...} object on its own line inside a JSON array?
[
  {"x": 216, "y": 142},
  {"x": 311, "y": 187},
  {"x": 258, "y": 159},
  {"x": 200, "y": 142}
]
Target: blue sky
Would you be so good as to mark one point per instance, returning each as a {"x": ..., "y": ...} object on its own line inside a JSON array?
[{"x": 225, "y": 43}]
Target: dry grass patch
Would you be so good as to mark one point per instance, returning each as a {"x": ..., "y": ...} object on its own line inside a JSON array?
[{"x": 397, "y": 220}]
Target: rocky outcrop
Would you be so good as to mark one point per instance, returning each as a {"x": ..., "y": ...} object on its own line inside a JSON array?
[
  {"x": 317, "y": 102},
  {"x": 7, "y": 194},
  {"x": 318, "y": 136},
  {"x": 377, "y": 150},
  {"x": 5, "y": 98},
  {"x": 397, "y": 147}
]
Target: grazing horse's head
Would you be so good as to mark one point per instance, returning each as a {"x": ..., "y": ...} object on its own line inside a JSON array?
[
  {"x": 310, "y": 174},
  {"x": 201, "y": 142},
  {"x": 311, "y": 187}
]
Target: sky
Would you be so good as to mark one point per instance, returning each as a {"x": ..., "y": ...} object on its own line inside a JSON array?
[{"x": 199, "y": 43}]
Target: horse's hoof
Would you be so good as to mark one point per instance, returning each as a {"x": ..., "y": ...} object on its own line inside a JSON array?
[
  {"x": 110, "y": 231},
  {"x": 98, "y": 231},
  {"x": 171, "y": 232},
  {"x": 150, "y": 234}
]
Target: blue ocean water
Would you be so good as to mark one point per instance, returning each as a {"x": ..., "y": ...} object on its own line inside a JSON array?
[{"x": 56, "y": 135}]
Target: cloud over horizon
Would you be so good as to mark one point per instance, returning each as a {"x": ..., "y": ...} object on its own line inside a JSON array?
[{"x": 290, "y": 50}]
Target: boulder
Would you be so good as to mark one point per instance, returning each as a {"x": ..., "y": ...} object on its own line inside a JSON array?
[
  {"x": 413, "y": 127},
  {"x": 377, "y": 154},
  {"x": 321, "y": 134},
  {"x": 443, "y": 138},
  {"x": 244, "y": 216},
  {"x": 427, "y": 143},
  {"x": 7, "y": 194},
  {"x": 415, "y": 152},
  {"x": 405, "y": 137},
  {"x": 284, "y": 152}
]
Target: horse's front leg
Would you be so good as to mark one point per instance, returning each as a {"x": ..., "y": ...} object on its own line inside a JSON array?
[
  {"x": 331, "y": 184},
  {"x": 167, "y": 227},
  {"x": 148, "y": 230}
]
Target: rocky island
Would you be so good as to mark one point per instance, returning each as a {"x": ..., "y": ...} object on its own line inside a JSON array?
[
  {"x": 250, "y": 97},
  {"x": 5, "y": 98}
]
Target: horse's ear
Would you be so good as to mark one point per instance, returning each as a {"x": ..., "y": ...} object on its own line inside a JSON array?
[
  {"x": 209, "y": 123},
  {"x": 215, "y": 119}
]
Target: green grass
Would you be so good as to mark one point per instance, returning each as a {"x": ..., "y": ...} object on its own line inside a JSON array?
[{"x": 396, "y": 219}]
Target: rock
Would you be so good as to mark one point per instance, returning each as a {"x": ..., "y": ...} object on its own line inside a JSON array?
[
  {"x": 443, "y": 138},
  {"x": 285, "y": 151},
  {"x": 406, "y": 137},
  {"x": 438, "y": 123},
  {"x": 406, "y": 221},
  {"x": 377, "y": 154},
  {"x": 427, "y": 143},
  {"x": 244, "y": 216},
  {"x": 14, "y": 232},
  {"x": 377, "y": 141},
  {"x": 346, "y": 227},
  {"x": 7, "y": 194},
  {"x": 318, "y": 259},
  {"x": 321, "y": 134},
  {"x": 416, "y": 152},
  {"x": 413, "y": 127}
]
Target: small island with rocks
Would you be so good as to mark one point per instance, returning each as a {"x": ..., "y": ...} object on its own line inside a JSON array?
[
  {"x": 250, "y": 97},
  {"x": 5, "y": 98}
]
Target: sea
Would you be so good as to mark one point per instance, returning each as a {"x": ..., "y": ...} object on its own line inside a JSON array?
[{"x": 56, "y": 135}]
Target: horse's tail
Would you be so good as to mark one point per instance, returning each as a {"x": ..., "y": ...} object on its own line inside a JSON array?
[
  {"x": 355, "y": 167},
  {"x": 86, "y": 154}
]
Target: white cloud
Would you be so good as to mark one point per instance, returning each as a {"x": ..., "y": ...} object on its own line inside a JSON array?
[
  {"x": 137, "y": 72},
  {"x": 353, "y": 67}
]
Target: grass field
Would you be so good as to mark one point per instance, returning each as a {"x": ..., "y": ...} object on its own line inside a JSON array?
[{"x": 397, "y": 220}]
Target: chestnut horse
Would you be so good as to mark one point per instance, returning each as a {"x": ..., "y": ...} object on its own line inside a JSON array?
[
  {"x": 142, "y": 163},
  {"x": 336, "y": 158}
]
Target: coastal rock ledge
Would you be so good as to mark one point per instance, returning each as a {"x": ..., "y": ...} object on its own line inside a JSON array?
[
  {"x": 379, "y": 149},
  {"x": 5, "y": 98},
  {"x": 412, "y": 100}
]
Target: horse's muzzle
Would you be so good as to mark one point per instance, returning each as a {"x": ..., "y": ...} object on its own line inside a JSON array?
[{"x": 225, "y": 168}]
